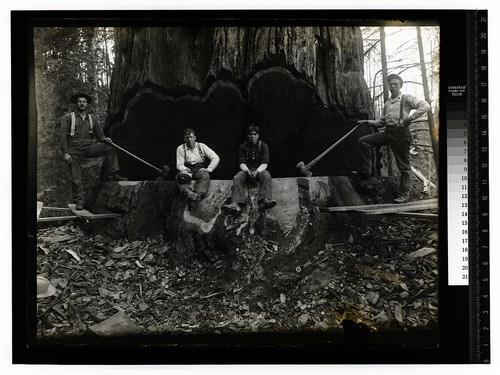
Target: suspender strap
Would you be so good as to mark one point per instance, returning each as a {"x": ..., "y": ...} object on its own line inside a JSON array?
[
  {"x": 199, "y": 152},
  {"x": 259, "y": 144},
  {"x": 401, "y": 108},
  {"x": 73, "y": 122}
]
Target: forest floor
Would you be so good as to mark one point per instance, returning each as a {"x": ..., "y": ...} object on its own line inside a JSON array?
[{"x": 382, "y": 276}]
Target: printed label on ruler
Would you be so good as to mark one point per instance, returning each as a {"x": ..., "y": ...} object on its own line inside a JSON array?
[{"x": 458, "y": 211}]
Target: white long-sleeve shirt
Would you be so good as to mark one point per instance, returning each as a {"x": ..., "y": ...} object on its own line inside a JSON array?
[
  {"x": 185, "y": 155},
  {"x": 392, "y": 110}
]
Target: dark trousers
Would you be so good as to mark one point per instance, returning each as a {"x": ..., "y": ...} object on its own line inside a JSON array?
[
  {"x": 91, "y": 151},
  {"x": 202, "y": 177},
  {"x": 399, "y": 138},
  {"x": 239, "y": 193}
]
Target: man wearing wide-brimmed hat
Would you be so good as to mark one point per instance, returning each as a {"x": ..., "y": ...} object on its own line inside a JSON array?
[{"x": 82, "y": 137}]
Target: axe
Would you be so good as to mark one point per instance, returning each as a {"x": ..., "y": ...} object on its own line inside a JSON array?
[
  {"x": 305, "y": 169},
  {"x": 162, "y": 173}
]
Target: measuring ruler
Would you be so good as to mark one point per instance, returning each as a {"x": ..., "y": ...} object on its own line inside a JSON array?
[
  {"x": 468, "y": 196},
  {"x": 479, "y": 201}
]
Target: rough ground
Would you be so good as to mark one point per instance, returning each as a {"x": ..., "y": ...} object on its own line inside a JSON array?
[{"x": 366, "y": 277}]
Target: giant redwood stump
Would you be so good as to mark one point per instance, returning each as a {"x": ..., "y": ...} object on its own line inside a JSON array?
[{"x": 150, "y": 207}]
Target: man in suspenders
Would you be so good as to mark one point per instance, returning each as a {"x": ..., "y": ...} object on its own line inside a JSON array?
[
  {"x": 253, "y": 159},
  {"x": 396, "y": 119},
  {"x": 191, "y": 163},
  {"x": 82, "y": 137}
]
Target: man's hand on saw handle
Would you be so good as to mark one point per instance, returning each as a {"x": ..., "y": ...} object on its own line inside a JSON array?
[
  {"x": 373, "y": 124},
  {"x": 67, "y": 158}
]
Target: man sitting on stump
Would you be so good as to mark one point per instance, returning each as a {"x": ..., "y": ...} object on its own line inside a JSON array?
[
  {"x": 191, "y": 164},
  {"x": 82, "y": 137},
  {"x": 396, "y": 119},
  {"x": 253, "y": 159}
]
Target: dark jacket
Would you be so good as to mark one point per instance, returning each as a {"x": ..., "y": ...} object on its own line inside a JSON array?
[{"x": 253, "y": 155}]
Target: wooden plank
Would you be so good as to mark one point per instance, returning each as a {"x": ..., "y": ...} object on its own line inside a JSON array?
[
  {"x": 376, "y": 206},
  {"x": 56, "y": 209},
  {"x": 56, "y": 218},
  {"x": 79, "y": 213},
  {"x": 89, "y": 215},
  {"x": 401, "y": 208},
  {"x": 416, "y": 215},
  {"x": 39, "y": 206},
  {"x": 104, "y": 216}
]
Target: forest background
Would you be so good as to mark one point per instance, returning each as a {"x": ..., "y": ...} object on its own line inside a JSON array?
[{"x": 69, "y": 59}]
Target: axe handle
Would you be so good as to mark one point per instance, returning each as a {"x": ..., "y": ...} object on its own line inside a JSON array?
[
  {"x": 308, "y": 166},
  {"x": 136, "y": 157}
]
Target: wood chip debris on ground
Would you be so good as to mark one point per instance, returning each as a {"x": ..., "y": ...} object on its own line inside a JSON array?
[{"x": 383, "y": 275}]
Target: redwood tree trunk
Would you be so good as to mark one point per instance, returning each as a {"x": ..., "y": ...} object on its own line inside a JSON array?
[
  {"x": 434, "y": 133},
  {"x": 383, "y": 55},
  {"x": 389, "y": 157},
  {"x": 303, "y": 86}
]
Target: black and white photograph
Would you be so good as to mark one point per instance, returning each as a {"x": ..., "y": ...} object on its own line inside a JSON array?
[
  {"x": 235, "y": 182},
  {"x": 236, "y": 179}
]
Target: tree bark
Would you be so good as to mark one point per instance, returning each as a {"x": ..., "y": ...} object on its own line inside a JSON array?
[
  {"x": 383, "y": 55},
  {"x": 150, "y": 207},
  {"x": 387, "y": 155},
  {"x": 303, "y": 86},
  {"x": 434, "y": 132}
]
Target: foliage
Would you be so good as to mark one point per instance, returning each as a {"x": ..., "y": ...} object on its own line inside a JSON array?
[{"x": 67, "y": 60}]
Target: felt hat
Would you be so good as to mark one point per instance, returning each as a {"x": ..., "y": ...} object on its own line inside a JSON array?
[
  {"x": 74, "y": 98},
  {"x": 44, "y": 288}
]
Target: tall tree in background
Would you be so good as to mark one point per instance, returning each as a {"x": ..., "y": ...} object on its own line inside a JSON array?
[
  {"x": 383, "y": 57},
  {"x": 67, "y": 60},
  {"x": 430, "y": 117},
  {"x": 402, "y": 57}
]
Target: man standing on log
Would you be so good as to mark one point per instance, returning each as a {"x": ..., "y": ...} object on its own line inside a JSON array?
[
  {"x": 192, "y": 157},
  {"x": 253, "y": 159},
  {"x": 82, "y": 137},
  {"x": 396, "y": 119}
]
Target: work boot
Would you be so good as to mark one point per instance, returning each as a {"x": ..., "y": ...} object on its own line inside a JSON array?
[
  {"x": 266, "y": 204},
  {"x": 234, "y": 207},
  {"x": 401, "y": 199},
  {"x": 116, "y": 177},
  {"x": 191, "y": 205},
  {"x": 79, "y": 206},
  {"x": 363, "y": 175},
  {"x": 192, "y": 198}
]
